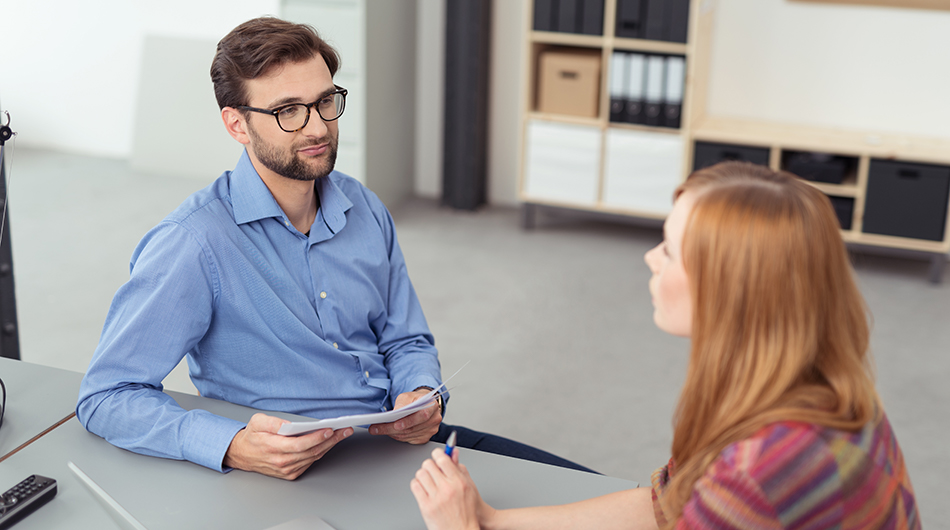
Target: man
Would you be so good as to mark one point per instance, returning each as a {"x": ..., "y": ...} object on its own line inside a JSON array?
[{"x": 282, "y": 282}]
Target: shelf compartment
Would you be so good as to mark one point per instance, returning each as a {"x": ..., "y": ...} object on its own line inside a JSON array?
[
  {"x": 821, "y": 167},
  {"x": 544, "y": 57},
  {"x": 562, "y": 163},
  {"x": 646, "y": 89},
  {"x": 844, "y": 210},
  {"x": 569, "y": 82},
  {"x": 642, "y": 169},
  {"x": 708, "y": 153}
]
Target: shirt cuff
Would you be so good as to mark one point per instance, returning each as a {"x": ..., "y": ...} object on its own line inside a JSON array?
[
  {"x": 207, "y": 439},
  {"x": 423, "y": 380}
]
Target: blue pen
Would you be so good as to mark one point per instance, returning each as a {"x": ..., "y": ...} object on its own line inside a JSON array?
[{"x": 450, "y": 444}]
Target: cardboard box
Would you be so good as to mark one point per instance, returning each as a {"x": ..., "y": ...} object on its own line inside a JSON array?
[{"x": 569, "y": 82}]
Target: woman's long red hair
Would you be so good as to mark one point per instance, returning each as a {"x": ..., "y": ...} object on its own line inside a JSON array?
[{"x": 780, "y": 330}]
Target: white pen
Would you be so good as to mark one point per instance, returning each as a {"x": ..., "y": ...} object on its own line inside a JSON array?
[{"x": 450, "y": 444}]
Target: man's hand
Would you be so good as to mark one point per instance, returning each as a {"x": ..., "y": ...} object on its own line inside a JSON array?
[
  {"x": 415, "y": 428},
  {"x": 259, "y": 448}
]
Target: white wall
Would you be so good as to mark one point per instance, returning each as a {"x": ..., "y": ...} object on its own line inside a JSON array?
[
  {"x": 71, "y": 83},
  {"x": 430, "y": 102},
  {"x": 69, "y": 71},
  {"x": 866, "y": 68},
  {"x": 504, "y": 133}
]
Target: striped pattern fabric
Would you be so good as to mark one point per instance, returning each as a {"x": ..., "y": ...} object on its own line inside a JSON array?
[{"x": 800, "y": 475}]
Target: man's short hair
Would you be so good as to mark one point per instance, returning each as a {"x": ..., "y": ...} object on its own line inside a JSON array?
[{"x": 256, "y": 47}]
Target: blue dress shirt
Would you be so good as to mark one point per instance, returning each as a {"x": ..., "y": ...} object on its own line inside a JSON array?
[{"x": 322, "y": 326}]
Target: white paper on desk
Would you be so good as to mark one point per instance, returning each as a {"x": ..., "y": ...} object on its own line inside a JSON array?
[{"x": 303, "y": 427}]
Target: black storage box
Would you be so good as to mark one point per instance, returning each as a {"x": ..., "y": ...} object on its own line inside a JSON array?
[
  {"x": 907, "y": 200},
  {"x": 706, "y": 154},
  {"x": 819, "y": 167},
  {"x": 844, "y": 210},
  {"x": 569, "y": 16}
]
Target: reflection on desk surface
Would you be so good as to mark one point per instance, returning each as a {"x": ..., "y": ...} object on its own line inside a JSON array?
[{"x": 304, "y": 523}]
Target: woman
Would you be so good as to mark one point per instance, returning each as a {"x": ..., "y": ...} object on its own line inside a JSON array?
[{"x": 778, "y": 423}]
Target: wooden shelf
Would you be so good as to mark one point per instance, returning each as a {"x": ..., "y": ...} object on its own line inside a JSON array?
[
  {"x": 896, "y": 242},
  {"x": 599, "y": 207},
  {"x": 825, "y": 140},
  {"x": 564, "y": 118},
  {"x": 567, "y": 39},
  {"x": 655, "y": 46},
  {"x": 644, "y": 128},
  {"x": 837, "y": 190}
]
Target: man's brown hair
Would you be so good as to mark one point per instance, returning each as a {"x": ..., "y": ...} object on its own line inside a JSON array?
[{"x": 256, "y": 47}]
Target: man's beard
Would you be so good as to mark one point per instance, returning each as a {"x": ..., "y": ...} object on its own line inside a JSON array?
[{"x": 293, "y": 166}]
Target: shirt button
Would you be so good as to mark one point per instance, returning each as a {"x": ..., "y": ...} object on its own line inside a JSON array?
[
  {"x": 323, "y": 294},
  {"x": 335, "y": 345},
  {"x": 366, "y": 373}
]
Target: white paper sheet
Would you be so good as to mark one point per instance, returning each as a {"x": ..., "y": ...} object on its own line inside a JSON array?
[{"x": 303, "y": 427}]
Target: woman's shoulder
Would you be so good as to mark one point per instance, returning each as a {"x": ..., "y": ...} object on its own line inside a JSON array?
[
  {"x": 795, "y": 447},
  {"x": 805, "y": 472}
]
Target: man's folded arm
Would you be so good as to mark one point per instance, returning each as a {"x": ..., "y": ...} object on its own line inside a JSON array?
[{"x": 155, "y": 319}]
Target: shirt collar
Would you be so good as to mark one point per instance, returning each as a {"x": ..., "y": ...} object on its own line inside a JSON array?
[
  {"x": 250, "y": 198},
  {"x": 333, "y": 205},
  {"x": 252, "y": 201}
]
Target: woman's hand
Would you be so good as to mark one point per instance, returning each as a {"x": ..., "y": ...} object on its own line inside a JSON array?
[{"x": 447, "y": 497}]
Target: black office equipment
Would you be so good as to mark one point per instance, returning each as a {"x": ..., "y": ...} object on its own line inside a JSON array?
[
  {"x": 820, "y": 167},
  {"x": 673, "y": 86},
  {"x": 630, "y": 19},
  {"x": 24, "y": 498},
  {"x": 567, "y": 19},
  {"x": 653, "y": 93},
  {"x": 592, "y": 19},
  {"x": 636, "y": 77},
  {"x": 545, "y": 15},
  {"x": 844, "y": 210},
  {"x": 9, "y": 330},
  {"x": 678, "y": 24},
  {"x": 906, "y": 199},
  {"x": 657, "y": 21},
  {"x": 618, "y": 86},
  {"x": 706, "y": 154}
]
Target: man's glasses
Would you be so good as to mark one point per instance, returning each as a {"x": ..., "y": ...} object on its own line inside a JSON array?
[{"x": 295, "y": 116}]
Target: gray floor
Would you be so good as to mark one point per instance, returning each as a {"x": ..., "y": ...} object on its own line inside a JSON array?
[{"x": 555, "y": 324}]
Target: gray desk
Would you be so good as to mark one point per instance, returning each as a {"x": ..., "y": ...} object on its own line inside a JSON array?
[
  {"x": 37, "y": 398},
  {"x": 362, "y": 483}
]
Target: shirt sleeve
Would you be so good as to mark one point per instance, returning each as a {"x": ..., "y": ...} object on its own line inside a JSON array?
[
  {"x": 157, "y": 317},
  {"x": 726, "y": 497},
  {"x": 406, "y": 343},
  {"x": 659, "y": 480}
]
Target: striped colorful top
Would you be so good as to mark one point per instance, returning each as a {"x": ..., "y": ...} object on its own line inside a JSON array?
[{"x": 800, "y": 475}]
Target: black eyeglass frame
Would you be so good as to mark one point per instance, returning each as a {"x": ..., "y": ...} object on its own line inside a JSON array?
[{"x": 309, "y": 106}]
